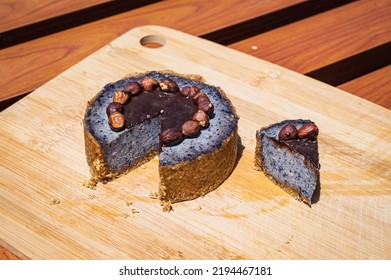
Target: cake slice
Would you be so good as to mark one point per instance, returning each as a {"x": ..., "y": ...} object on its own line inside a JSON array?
[{"x": 287, "y": 152}]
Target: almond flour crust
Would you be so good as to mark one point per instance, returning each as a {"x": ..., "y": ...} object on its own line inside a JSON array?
[{"x": 179, "y": 181}]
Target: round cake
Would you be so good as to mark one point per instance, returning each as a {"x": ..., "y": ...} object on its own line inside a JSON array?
[{"x": 190, "y": 124}]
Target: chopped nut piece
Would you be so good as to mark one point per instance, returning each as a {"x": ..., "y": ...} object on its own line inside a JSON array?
[
  {"x": 149, "y": 84},
  {"x": 191, "y": 128},
  {"x": 117, "y": 121},
  {"x": 287, "y": 132},
  {"x": 120, "y": 97},
  {"x": 133, "y": 88}
]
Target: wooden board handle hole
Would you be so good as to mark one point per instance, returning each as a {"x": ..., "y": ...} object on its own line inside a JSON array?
[{"x": 153, "y": 41}]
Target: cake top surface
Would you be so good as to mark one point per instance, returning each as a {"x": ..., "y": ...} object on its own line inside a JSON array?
[{"x": 222, "y": 123}]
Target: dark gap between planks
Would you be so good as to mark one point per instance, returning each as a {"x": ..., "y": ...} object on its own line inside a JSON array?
[
  {"x": 264, "y": 23},
  {"x": 63, "y": 22},
  {"x": 354, "y": 66}
]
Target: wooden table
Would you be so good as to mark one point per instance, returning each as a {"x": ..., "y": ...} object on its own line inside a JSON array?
[{"x": 343, "y": 43}]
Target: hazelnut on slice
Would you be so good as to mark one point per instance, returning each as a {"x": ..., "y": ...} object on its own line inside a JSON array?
[
  {"x": 133, "y": 88},
  {"x": 202, "y": 118},
  {"x": 189, "y": 91},
  {"x": 287, "y": 132},
  {"x": 120, "y": 97},
  {"x": 308, "y": 131},
  {"x": 117, "y": 121},
  {"x": 191, "y": 128},
  {"x": 169, "y": 85},
  {"x": 149, "y": 84},
  {"x": 114, "y": 107},
  {"x": 207, "y": 107}
]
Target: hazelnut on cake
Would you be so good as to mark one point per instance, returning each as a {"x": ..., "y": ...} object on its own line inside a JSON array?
[
  {"x": 191, "y": 125},
  {"x": 287, "y": 152}
]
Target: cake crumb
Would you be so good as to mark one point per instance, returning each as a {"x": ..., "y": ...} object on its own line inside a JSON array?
[
  {"x": 55, "y": 201},
  {"x": 167, "y": 207},
  {"x": 289, "y": 239},
  {"x": 143, "y": 166},
  {"x": 91, "y": 184},
  {"x": 91, "y": 196},
  {"x": 180, "y": 254},
  {"x": 128, "y": 203},
  {"x": 199, "y": 208},
  {"x": 154, "y": 195},
  {"x": 134, "y": 211},
  {"x": 125, "y": 215}
]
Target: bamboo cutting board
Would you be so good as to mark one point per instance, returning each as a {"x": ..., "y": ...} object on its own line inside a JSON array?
[{"x": 47, "y": 213}]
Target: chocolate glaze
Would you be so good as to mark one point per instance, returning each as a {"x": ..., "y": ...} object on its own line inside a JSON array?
[
  {"x": 173, "y": 108},
  {"x": 305, "y": 147}
]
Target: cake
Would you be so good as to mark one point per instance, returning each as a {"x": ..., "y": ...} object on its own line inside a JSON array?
[
  {"x": 287, "y": 152},
  {"x": 189, "y": 124}
]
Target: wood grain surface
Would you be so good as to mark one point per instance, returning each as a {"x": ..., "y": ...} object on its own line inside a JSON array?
[{"x": 47, "y": 213}]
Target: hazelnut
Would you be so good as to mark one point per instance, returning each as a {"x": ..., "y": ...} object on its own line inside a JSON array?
[
  {"x": 171, "y": 136},
  {"x": 169, "y": 85},
  {"x": 189, "y": 91},
  {"x": 117, "y": 121},
  {"x": 287, "y": 132},
  {"x": 202, "y": 118},
  {"x": 207, "y": 107},
  {"x": 133, "y": 88},
  {"x": 308, "y": 131},
  {"x": 114, "y": 107},
  {"x": 120, "y": 97},
  {"x": 200, "y": 97},
  {"x": 191, "y": 128},
  {"x": 149, "y": 84}
]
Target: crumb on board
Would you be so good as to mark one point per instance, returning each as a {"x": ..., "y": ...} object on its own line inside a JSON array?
[
  {"x": 91, "y": 184},
  {"x": 167, "y": 207},
  {"x": 134, "y": 211},
  {"x": 180, "y": 254},
  {"x": 154, "y": 195},
  {"x": 91, "y": 196},
  {"x": 128, "y": 203}
]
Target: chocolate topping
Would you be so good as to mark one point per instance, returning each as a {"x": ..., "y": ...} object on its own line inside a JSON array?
[
  {"x": 305, "y": 147},
  {"x": 173, "y": 108}
]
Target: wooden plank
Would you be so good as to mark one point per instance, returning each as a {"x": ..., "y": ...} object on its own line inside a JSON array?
[
  {"x": 17, "y": 13},
  {"x": 247, "y": 217},
  {"x": 374, "y": 87},
  {"x": 324, "y": 39},
  {"x": 46, "y": 57}
]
